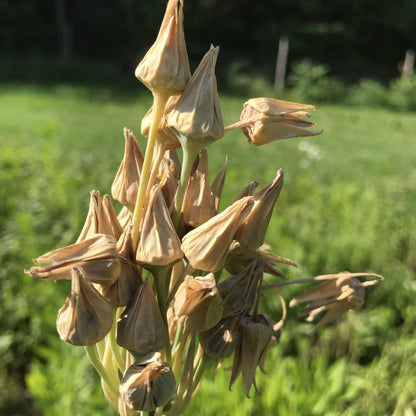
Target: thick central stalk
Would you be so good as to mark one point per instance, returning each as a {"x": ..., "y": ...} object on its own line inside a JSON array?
[{"x": 158, "y": 109}]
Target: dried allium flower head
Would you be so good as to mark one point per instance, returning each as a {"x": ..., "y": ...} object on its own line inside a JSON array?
[
  {"x": 159, "y": 245},
  {"x": 86, "y": 316},
  {"x": 207, "y": 246},
  {"x": 126, "y": 182},
  {"x": 198, "y": 204},
  {"x": 141, "y": 328},
  {"x": 146, "y": 386},
  {"x": 198, "y": 303},
  {"x": 255, "y": 335},
  {"x": 197, "y": 114},
  {"x": 97, "y": 256},
  {"x": 252, "y": 231},
  {"x": 341, "y": 293},
  {"x": 165, "y": 67},
  {"x": 264, "y": 120}
]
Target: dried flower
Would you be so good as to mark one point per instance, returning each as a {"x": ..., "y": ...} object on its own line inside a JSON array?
[
  {"x": 264, "y": 120},
  {"x": 218, "y": 184},
  {"x": 255, "y": 335},
  {"x": 159, "y": 244},
  {"x": 252, "y": 231},
  {"x": 146, "y": 386},
  {"x": 97, "y": 256},
  {"x": 341, "y": 293},
  {"x": 86, "y": 316},
  {"x": 197, "y": 114},
  {"x": 198, "y": 303},
  {"x": 165, "y": 67},
  {"x": 198, "y": 204},
  {"x": 140, "y": 327},
  {"x": 126, "y": 182},
  {"x": 206, "y": 247}
]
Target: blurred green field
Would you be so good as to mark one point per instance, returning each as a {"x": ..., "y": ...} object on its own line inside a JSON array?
[{"x": 348, "y": 203}]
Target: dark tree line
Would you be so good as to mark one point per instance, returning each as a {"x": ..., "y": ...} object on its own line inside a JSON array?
[{"x": 353, "y": 37}]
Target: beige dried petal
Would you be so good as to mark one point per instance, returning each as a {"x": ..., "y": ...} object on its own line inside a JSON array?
[
  {"x": 198, "y": 113},
  {"x": 141, "y": 328},
  {"x": 198, "y": 204},
  {"x": 120, "y": 292},
  {"x": 165, "y": 67},
  {"x": 86, "y": 317},
  {"x": 207, "y": 246},
  {"x": 198, "y": 303},
  {"x": 165, "y": 135},
  {"x": 169, "y": 182},
  {"x": 97, "y": 256},
  {"x": 124, "y": 217},
  {"x": 252, "y": 231},
  {"x": 272, "y": 107},
  {"x": 145, "y": 387},
  {"x": 218, "y": 184},
  {"x": 126, "y": 183},
  {"x": 159, "y": 244}
]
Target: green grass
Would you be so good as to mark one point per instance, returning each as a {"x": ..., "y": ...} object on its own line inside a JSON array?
[{"x": 349, "y": 202}]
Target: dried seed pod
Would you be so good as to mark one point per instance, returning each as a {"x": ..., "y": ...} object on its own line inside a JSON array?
[
  {"x": 126, "y": 183},
  {"x": 341, "y": 293},
  {"x": 255, "y": 334},
  {"x": 123, "y": 289},
  {"x": 252, "y": 231},
  {"x": 197, "y": 114},
  {"x": 159, "y": 245},
  {"x": 206, "y": 247},
  {"x": 198, "y": 303},
  {"x": 198, "y": 204},
  {"x": 97, "y": 256},
  {"x": 141, "y": 328},
  {"x": 165, "y": 67},
  {"x": 147, "y": 386},
  {"x": 86, "y": 317},
  {"x": 264, "y": 120}
]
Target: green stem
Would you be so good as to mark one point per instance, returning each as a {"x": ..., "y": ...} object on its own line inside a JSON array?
[
  {"x": 95, "y": 361},
  {"x": 113, "y": 343},
  {"x": 158, "y": 109},
  {"x": 189, "y": 155}
]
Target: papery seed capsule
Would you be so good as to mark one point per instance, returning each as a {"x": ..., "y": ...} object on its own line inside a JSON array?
[{"x": 147, "y": 386}]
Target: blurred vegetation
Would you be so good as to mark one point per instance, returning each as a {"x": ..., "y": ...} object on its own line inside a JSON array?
[{"x": 348, "y": 203}]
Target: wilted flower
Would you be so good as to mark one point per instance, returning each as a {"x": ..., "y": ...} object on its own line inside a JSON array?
[
  {"x": 86, "y": 316},
  {"x": 126, "y": 182},
  {"x": 141, "y": 328},
  {"x": 341, "y": 293},
  {"x": 197, "y": 114},
  {"x": 198, "y": 303},
  {"x": 264, "y": 120},
  {"x": 252, "y": 231},
  {"x": 97, "y": 256},
  {"x": 146, "y": 386},
  {"x": 206, "y": 247},
  {"x": 165, "y": 67},
  {"x": 255, "y": 334},
  {"x": 218, "y": 184}
]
